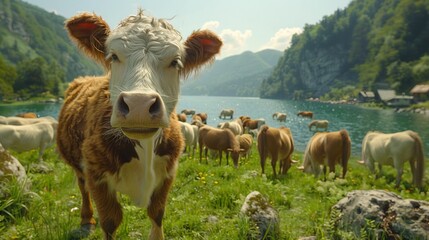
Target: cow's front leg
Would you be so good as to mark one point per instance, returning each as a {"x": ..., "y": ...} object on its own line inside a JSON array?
[
  {"x": 108, "y": 207},
  {"x": 156, "y": 209}
]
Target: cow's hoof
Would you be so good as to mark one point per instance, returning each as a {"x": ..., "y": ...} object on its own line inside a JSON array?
[{"x": 83, "y": 232}]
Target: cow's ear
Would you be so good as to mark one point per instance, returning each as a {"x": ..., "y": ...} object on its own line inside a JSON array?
[
  {"x": 90, "y": 32},
  {"x": 201, "y": 48}
]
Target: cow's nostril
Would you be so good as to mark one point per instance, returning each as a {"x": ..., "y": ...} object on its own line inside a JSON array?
[
  {"x": 155, "y": 108},
  {"x": 123, "y": 106}
]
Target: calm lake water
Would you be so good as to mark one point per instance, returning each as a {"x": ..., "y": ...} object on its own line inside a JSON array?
[{"x": 356, "y": 120}]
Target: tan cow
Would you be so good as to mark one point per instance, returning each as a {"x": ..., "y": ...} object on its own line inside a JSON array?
[
  {"x": 277, "y": 144},
  {"x": 327, "y": 149},
  {"x": 222, "y": 140},
  {"x": 246, "y": 143},
  {"x": 27, "y": 115},
  {"x": 119, "y": 132}
]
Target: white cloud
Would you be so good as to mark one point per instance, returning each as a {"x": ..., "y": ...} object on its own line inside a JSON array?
[
  {"x": 282, "y": 39},
  {"x": 213, "y": 25},
  {"x": 234, "y": 41}
]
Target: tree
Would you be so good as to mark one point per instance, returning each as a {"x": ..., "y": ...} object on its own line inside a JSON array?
[
  {"x": 7, "y": 78},
  {"x": 32, "y": 78}
]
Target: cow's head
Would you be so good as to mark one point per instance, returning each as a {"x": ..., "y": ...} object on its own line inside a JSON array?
[{"x": 144, "y": 58}]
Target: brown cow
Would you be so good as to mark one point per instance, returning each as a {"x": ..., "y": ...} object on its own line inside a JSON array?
[
  {"x": 305, "y": 114},
  {"x": 119, "y": 132},
  {"x": 327, "y": 148},
  {"x": 203, "y": 117},
  {"x": 181, "y": 117},
  {"x": 27, "y": 115},
  {"x": 220, "y": 140},
  {"x": 276, "y": 143},
  {"x": 250, "y": 124}
]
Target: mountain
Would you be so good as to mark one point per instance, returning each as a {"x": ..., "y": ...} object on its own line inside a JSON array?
[
  {"x": 29, "y": 32},
  {"x": 369, "y": 44},
  {"x": 239, "y": 75}
]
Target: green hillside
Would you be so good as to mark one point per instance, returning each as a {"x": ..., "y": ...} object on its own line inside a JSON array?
[
  {"x": 239, "y": 75},
  {"x": 369, "y": 44},
  {"x": 28, "y": 33}
]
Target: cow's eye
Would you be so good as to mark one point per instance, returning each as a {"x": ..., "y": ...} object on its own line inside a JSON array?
[
  {"x": 114, "y": 57},
  {"x": 176, "y": 63}
]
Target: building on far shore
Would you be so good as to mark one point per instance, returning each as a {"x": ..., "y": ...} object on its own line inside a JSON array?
[
  {"x": 420, "y": 92},
  {"x": 389, "y": 98},
  {"x": 366, "y": 96}
]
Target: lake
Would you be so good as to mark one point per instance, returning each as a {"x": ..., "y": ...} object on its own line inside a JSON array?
[{"x": 355, "y": 119}]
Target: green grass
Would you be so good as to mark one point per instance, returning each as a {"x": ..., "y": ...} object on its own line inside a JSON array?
[{"x": 204, "y": 202}]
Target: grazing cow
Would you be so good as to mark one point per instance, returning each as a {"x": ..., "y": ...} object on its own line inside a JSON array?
[
  {"x": 119, "y": 132},
  {"x": 203, "y": 117},
  {"x": 250, "y": 124},
  {"x": 190, "y": 134},
  {"x": 27, "y": 137},
  {"x": 181, "y": 117},
  {"x": 222, "y": 140},
  {"x": 327, "y": 148},
  {"x": 27, "y": 115},
  {"x": 275, "y": 143},
  {"x": 281, "y": 117},
  {"x": 25, "y": 121},
  {"x": 188, "y": 112},
  {"x": 246, "y": 143},
  {"x": 305, "y": 114},
  {"x": 226, "y": 113},
  {"x": 318, "y": 124}
]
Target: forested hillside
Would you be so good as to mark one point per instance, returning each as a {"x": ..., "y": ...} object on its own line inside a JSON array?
[
  {"x": 239, "y": 75},
  {"x": 36, "y": 54},
  {"x": 369, "y": 44}
]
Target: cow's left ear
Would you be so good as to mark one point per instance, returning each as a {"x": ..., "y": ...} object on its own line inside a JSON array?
[
  {"x": 90, "y": 32},
  {"x": 201, "y": 48}
]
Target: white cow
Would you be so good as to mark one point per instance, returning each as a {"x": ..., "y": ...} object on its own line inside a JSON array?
[
  {"x": 190, "y": 134},
  {"x": 27, "y": 137}
]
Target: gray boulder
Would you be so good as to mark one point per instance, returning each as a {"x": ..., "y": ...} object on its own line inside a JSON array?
[
  {"x": 264, "y": 219},
  {"x": 10, "y": 168},
  {"x": 377, "y": 214}
]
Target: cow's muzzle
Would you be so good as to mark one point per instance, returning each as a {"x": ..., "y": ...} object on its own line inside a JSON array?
[{"x": 139, "y": 115}]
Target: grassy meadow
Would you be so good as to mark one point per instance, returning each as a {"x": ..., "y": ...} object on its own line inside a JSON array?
[{"x": 204, "y": 202}]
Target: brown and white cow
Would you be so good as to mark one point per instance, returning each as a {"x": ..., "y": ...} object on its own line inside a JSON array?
[
  {"x": 277, "y": 144},
  {"x": 119, "y": 132}
]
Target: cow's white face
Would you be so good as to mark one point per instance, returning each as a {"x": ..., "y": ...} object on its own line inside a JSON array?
[{"x": 146, "y": 57}]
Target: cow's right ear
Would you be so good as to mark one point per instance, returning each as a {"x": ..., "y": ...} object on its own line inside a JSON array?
[
  {"x": 90, "y": 32},
  {"x": 201, "y": 48}
]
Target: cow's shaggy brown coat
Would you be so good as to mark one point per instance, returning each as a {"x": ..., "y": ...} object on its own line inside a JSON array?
[
  {"x": 119, "y": 132},
  {"x": 277, "y": 144},
  {"x": 327, "y": 149}
]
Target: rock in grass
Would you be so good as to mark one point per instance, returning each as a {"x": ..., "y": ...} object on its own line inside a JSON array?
[
  {"x": 378, "y": 214},
  {"x": 10, "y": 168},
  {"x": 262, "y": 217}
]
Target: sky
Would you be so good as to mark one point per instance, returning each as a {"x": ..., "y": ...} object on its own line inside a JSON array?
[{"x": 243, "y": 25}]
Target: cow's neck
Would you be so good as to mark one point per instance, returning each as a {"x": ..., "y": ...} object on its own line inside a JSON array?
[{"x": 142, "y": 175}]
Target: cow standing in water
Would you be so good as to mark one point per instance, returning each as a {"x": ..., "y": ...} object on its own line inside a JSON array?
[{"x": 119, "y": 132}]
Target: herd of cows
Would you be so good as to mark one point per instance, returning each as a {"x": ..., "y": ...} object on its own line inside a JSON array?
[
  {"x": 324, "y": 149},
  {"x": 235, "y": 137},
  {"x": 119, "y": 131}
]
